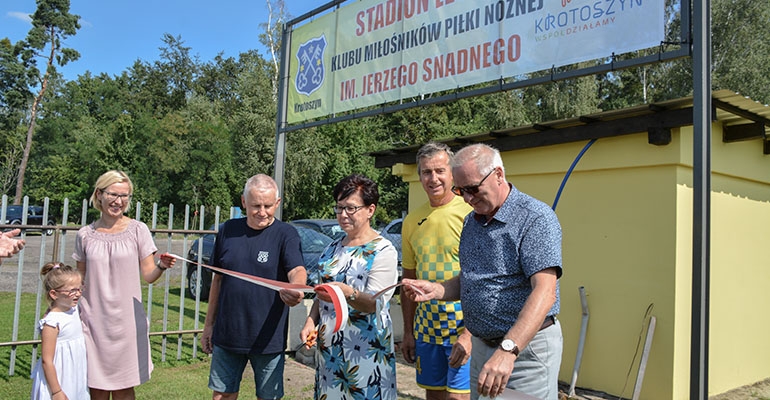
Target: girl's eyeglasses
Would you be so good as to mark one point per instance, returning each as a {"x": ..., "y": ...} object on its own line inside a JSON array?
[{"x": 72, "y": 292}]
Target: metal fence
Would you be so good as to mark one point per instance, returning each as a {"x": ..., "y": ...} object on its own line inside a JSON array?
[{"x": 58, "y": 238}]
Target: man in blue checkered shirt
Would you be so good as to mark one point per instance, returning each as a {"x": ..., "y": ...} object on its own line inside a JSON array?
[{"x": 510, "y": 260}]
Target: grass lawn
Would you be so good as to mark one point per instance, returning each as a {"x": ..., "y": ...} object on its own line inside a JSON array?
[{"x": 180, "y": 373}]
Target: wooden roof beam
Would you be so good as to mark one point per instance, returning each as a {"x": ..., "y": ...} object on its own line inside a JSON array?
[{"x": 736, "y": 133}]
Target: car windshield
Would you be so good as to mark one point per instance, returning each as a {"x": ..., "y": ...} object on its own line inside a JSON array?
[
  {"x": 395, "y": 228},
  {"x": 13, "y": 210},
  {"x": 334, "y": 231},
  {"x": 312, "y": 241}
]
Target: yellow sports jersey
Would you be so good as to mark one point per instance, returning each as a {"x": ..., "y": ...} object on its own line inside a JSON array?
[{"x": 430, "y": 238}]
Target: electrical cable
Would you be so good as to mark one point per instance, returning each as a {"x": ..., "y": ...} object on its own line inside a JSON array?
[{"x": 569, "y": 172}]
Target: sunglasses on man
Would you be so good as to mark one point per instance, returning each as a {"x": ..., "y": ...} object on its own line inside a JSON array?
[{"x": 472, "y": 189}]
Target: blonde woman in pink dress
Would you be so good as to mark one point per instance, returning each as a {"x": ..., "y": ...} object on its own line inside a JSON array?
[{"x": 113, "y": 253}]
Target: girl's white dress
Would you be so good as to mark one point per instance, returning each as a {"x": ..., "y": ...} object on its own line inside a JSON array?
[{"x": 69, "y": 358}]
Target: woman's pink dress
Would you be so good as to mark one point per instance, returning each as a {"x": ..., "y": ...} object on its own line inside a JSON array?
[{"x": 114, "y": 322}]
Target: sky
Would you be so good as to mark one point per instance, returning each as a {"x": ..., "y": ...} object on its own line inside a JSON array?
[{"x": 114, "y": 34}]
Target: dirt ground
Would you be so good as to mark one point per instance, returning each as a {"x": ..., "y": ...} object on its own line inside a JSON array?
[
  {"x": 757, "y": 391},
  {"x": 299, "y": 378},
  {"x": 297, "y": 375}
]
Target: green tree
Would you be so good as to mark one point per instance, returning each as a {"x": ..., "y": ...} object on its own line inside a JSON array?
[
  {"x": 74, "y": 142},
  {"x": 13, "y": 101},
  {"x": 741, "y": 47},
  {"x": 191, "y": 132},
  {"x": 740, "y": 39},
  {"x": 14, "y": 94},
  {"x": 52, "y": 23},
  {"x": 349, "y": 144},
  {"x": 271, "y": 37},
  {"x": 14, "y": 97},
  {"x": 253, "y": 124}
]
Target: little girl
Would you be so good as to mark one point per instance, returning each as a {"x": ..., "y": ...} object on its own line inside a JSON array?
[{"x": 61, "y": 371}]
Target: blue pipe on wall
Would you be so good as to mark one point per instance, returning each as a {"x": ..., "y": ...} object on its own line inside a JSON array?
[{"x": 569, "y": 172}]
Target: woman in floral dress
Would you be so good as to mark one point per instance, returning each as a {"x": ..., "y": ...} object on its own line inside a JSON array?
[{"x": 358, "y": 361}]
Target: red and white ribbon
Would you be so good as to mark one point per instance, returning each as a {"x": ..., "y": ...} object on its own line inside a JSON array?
[
  {"x": 268, "y": 283},
  {"x": 340, "y": 311},
  {"x": 338, "y": 298}
]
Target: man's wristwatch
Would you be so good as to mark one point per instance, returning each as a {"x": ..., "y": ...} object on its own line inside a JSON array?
[
  {"x": 510, "y": 346},
  {"x": 353, "y": 295}
]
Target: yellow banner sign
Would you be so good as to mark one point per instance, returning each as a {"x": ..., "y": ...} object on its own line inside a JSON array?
[{"x": 373, "y": 52}]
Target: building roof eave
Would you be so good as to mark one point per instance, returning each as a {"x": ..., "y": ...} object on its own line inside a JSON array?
[{"x": 743, "y": 118}]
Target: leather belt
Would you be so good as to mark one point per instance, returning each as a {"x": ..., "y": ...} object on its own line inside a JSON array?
[{"x": 549, "y": 320}]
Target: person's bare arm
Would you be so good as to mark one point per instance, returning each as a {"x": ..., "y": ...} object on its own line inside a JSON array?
[
  {"x": 297, "y": 276},
  {"x": 49, "y": 335},
  {"x": 496, "y": 371},
  {"x": 420, "y": 290},
  {"x": 306, "y": 335},
  {"x": 383, "y": 274},
  {"x": 82, "y": 269},
  {"x": 152, "y": 270},
  {"x": 364, "y": 302},
  {"x": 461, "y": 350},
  {"x": 8, "y": 245},
  {"x": 408, "y": 307}
]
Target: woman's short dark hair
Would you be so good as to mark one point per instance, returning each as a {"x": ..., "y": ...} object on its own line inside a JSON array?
[{"x": 365, "y": 187}]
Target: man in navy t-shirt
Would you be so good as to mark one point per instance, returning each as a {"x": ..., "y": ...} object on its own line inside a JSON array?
[{"x": 248, "y": 322}]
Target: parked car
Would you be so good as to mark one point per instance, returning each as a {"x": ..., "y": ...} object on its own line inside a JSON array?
[
  {"x": 15, "y": 214},
  {"x": 328, "y": 227},
  {"x": 312, "y": 244},
  {"x": 392, "y": 232}
]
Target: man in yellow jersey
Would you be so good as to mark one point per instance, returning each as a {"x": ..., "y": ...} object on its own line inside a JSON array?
[{"x": 434, "y": 335}]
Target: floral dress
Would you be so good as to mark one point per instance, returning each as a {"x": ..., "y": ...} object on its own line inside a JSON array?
[{"x": 358, "y": 362}]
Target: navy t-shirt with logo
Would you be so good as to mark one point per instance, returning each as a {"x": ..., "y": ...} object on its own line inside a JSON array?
[{"x": 251, "y": 318}]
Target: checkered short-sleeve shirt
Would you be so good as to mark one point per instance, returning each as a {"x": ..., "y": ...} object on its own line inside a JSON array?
[{"x": 498, "y": 257}]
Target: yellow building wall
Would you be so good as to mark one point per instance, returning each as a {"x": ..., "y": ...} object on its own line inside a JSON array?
[
  {"x": 626, "y": 216},
  {"x": 740, "y": 216},
  {"x": 408, "y": 174},
  {"x": 619, "y": 231}
]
